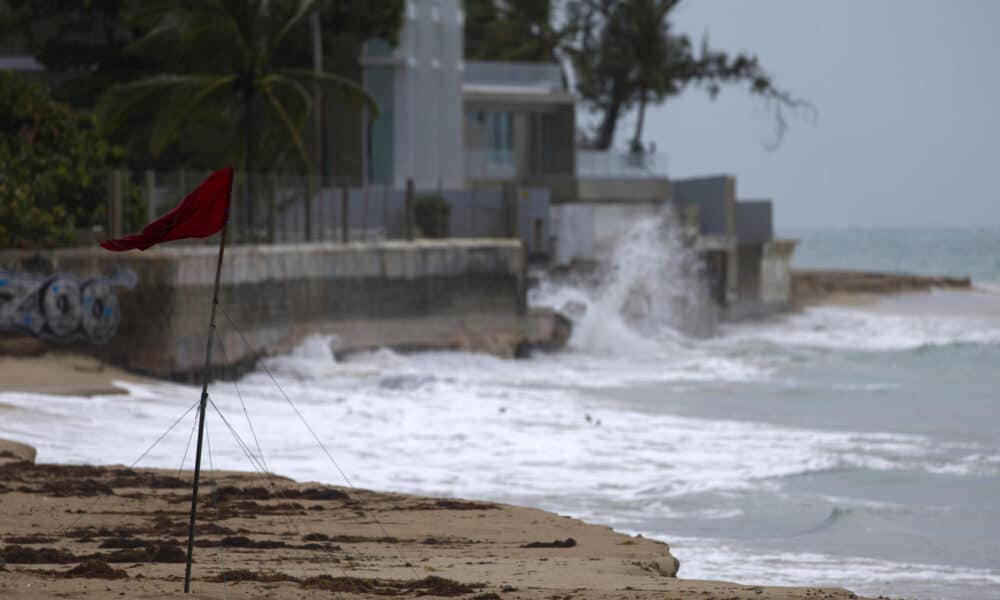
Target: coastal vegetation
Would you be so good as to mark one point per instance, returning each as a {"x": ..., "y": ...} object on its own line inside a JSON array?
[
  {"x": 623, "y": 55},
  {"x": 164, "y": 85},
  {"x": 183, "y": 84},
  {"x": 189, "y": 84},
  {"x": 52, "y": 167}
]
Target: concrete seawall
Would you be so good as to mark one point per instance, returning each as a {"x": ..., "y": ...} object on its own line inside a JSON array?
[
  {"x": 463, "y": 294},
  {"x": 813, "y": 285}
]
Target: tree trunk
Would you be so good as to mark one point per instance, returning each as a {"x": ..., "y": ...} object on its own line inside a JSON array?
[
  {"x": 606, "y": 131},
  {"x": 612, "y": 112},
  {"x": 637, "y": 138}
]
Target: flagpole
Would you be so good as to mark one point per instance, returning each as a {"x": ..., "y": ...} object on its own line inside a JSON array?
[{"x": 201, "y": 410}]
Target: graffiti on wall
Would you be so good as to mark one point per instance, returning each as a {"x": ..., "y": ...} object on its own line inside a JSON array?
[{"x": 62, "y": 307}]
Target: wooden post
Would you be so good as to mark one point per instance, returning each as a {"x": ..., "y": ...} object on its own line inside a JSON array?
[
  {"x": 411, "y": 216},
  {"x": 115, "y": 205}
]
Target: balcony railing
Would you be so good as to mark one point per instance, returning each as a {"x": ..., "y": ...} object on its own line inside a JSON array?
[
  {"x": 500, "y": 164},
  {"x": 490, "y": 164},
  {"x": 606, "y": 163},
  {"x": 541, "y": 76}
]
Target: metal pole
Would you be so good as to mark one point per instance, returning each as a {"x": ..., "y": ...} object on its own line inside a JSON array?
[
  {"x": 319, "y": 120},
  {"x": 201, "y": 412},
  {"x": 345, "y": 215},
  {"x": 410, "y": 213}
]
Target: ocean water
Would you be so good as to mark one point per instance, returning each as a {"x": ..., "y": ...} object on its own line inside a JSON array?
[{"x": 853, "y": 446}]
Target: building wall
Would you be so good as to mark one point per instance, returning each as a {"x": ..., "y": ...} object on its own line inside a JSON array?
[
  {"x": 424, "y": 130},
  {"x": 776, "y": 274},
  {"x": 750, "y": 270},
  {"x": 428, "y": 294},
  {"x": 715, "y": 198},
  {"x": 754, "y": 221},
  {"x": 590, "y": 231}
]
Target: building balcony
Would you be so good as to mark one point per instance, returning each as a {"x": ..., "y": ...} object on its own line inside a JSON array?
[
  {"x": 520, "y": 77},
  {"x": 611, "y": 164},
  {"x": 583, "y": 164}
]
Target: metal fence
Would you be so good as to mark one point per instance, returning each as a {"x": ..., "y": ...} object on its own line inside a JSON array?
[{"x": 276, "y": 208}]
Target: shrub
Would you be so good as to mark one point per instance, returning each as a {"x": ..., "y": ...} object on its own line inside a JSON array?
[
  {"x": 432, "y": 214},
  {"x": 53, "y": 167}
]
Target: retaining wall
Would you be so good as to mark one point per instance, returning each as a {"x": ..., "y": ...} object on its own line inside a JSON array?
[{"x": 466, "y": 294}]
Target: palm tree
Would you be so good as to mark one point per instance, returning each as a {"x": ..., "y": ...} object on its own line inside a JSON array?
[{"x": 237, "y": 64}]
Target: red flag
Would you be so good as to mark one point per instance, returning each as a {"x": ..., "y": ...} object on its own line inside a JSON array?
[{"x": 202, "y": 213}]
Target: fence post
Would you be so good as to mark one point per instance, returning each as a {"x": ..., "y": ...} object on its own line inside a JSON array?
[
  {"x": 272, "y": 225},
  {"x": 472, "y": 211},
  {"x": 345, "y": 215},
  {"x": 411, "y": 216},
  {"x": 115, "y": 205},
  {"x": 308, "y": 208},
  {"x": 150, "y": 195},
  {"x": 513, "y": 209},
  {"x": 364, "y": 211}
]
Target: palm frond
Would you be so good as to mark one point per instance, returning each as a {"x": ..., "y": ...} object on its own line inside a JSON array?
[
  {"x": 170, "y": 121},
  {"x": 278, "y": 80},
  {"x": 350, "y": 90},
  {"x": 268, "y": 49},
  {"x": 292, "y": 129}
]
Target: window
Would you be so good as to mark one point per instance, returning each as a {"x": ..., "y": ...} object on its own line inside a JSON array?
[{"x": 500, "y": 136}]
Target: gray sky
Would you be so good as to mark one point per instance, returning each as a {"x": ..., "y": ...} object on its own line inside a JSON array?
[{"x": 908, "y": 93}]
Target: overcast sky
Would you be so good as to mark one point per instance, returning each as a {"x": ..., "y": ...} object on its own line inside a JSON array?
[{"x": 908, "y": 92}]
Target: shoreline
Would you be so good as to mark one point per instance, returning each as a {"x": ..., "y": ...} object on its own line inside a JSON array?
[{"x": 76, "y": 531}]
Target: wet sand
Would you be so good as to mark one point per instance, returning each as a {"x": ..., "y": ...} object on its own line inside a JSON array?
[
  {"x": 62, "y": 373},
  {"x": 108, "y": 532}
]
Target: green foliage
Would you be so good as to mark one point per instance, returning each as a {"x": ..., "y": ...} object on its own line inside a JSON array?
[
  {"x": 167, "y": 62},
  {"x": 624, "y": 55},
  {"x": 513, "y": 30},
  {"x": 237, "y": 81},
  {"x": 52, "y": 167},
  {"x": 431, "y": 215},
  {"x": 83, "y": 41}
]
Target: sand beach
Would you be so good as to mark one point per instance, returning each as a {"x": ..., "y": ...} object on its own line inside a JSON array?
[{"x": 71, "y": 531}]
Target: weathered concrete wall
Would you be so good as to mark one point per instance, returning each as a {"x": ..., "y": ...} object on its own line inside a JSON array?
[
  {"x": 765, "y": 280},
  {"x": 754, "y": 221},
  {"x": 715, "y": 197},
  {"x": 429, "y": 294},
  {"x": 776, "y": 274}
]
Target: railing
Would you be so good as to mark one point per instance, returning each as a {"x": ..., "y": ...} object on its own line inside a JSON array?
[
  {"x": 606, "y": 163},
  {"x": 541, "y": 76},
  {"x": 493, "y": 164},
  {"x": 272, "y": 208},
  {"x": 489, "y": 164}
]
